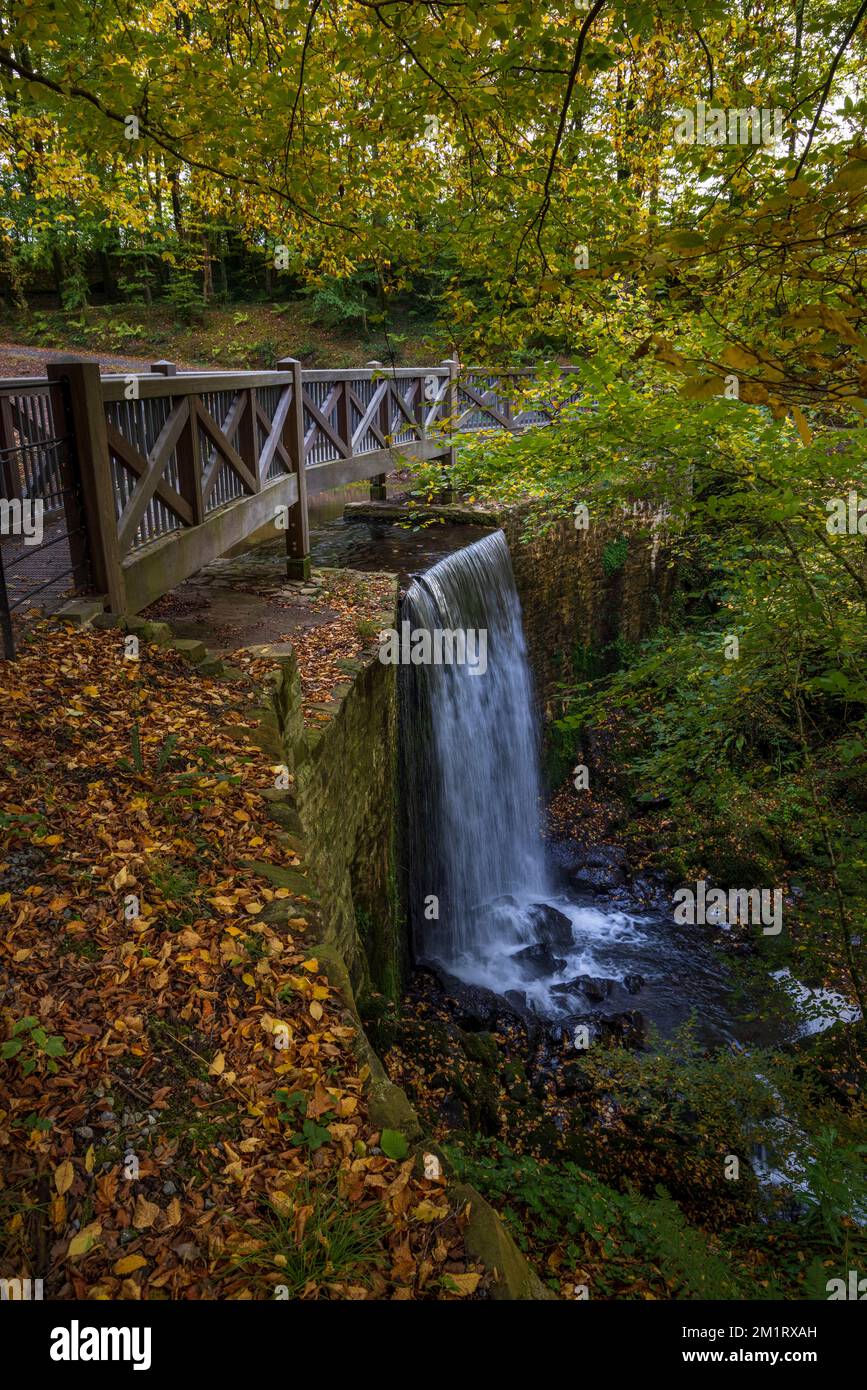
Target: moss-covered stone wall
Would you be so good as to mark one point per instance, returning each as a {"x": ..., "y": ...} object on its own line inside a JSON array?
[
  {"x": 347, "y": 803},
  {"x": 340, "y": 810},
  {"x": 584, "y": 591}
]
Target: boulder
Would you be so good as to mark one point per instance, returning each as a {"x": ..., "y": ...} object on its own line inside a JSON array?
[
  {"x": 633, "y": 983},
  {"x": 550, "y": 926},
  {"x": 597, "y": 867},
  {"x": 479, "y": 1010},
  {"x": 596, "y": 989},
  {"x": 538, "y": 961}
]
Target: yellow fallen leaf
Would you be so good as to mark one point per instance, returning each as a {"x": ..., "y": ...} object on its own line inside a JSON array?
[
  {"x": 463, "y": 1283},
  {"x": 63, "y": 1175},
  {"x": 218, "y": 1066},
  {"x": 427, "y": 1211},
  {"x": 316, "y": 1010},
  {"x": 282, "y": 1203},
  {"x": 129, "y": 1263},
  {"x": 85, "y": 1240},
  {"x": 122, "y": 879},
  {"x": 145, "y": 1213},
  {"x": 88, "y": 1159}
]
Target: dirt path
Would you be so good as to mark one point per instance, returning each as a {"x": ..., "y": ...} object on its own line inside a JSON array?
[{"x": 18, "y": 359}]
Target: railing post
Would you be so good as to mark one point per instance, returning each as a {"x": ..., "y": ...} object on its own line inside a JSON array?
[
  {"x": 187, "y": 451},
  {"x": 344, "y": 417},
  {"x": 378, "y": 489},
  {"x": 298, "y": 530},
  {"x": 9, "y": 466},
  {"x": 450, "y": 413},
  {"x": 77, "y": 405}
]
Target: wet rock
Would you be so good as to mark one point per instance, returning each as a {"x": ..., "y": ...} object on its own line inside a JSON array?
[
  {"x": 517, "y": 998},
  {"x": 600, "y": 868},
  {"x": 550, "y": 926},
  {"x": 538, "y": 962},
  {"x": 479, "y": 1010},
  {"x": 633, "y": 983},
  {"x": 627, "y": 1029},
  {"x": 649, "y": 890},
  {"x": 594, "y": 989}
]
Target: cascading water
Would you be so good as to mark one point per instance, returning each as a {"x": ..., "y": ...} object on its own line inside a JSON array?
[
  {"x": 481, "y": 897},
  {"x": 471, "y": 766},
  {"x": 483, "y": 901}
]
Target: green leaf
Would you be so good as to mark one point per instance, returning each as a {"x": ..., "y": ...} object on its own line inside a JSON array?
[
  {"x": 394, "y": 1144},
  {"x": 11, "y": 1048}
]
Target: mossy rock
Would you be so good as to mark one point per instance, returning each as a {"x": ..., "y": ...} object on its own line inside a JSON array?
[
  {"x": 282, "y": 876},
  {"x": 285, "y": 815},
  {"x": 488, "y": 1241},
  {"x": 481, "y": 1048}
]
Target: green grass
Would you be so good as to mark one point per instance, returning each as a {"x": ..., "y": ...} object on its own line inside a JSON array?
[{"x": 337, "y": 1243}]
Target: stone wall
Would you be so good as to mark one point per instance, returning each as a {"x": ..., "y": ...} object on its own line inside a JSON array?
[
  {"x": 582, "y": 591},
  {"x": 347, "y": 803},
  {"x": 340, "y": 810}
]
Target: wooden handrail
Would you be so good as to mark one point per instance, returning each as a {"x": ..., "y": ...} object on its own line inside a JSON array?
[{"x": 178, "y": 466}]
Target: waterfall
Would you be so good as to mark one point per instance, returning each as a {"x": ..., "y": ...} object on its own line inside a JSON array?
[
  {"x": 470, "y": 764},
  {"x": 482, "y": 902}
]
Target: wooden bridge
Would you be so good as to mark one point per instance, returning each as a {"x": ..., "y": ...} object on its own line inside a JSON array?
[{"x": 150, "y": 476}]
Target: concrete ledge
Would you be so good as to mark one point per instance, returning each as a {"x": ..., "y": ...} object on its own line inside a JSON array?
[{"x": 451, "y": 513}]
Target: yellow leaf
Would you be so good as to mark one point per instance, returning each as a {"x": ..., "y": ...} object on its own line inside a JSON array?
[
  {"x": 316, "y": 1010},
  {"x": 803, "y": 428},
  {"x": 427, "y": 1211},
  {"x": 85, "y": 1240},
  {"x": 88, "y": 1160},
  {"x": 311, "y": 965},
  {"x": 145, "y": 1213},
  {"x": 463, "y": 1283},
  {"x": 129, "y": 1263},
  {"x": 63, "y": 1176},
  {"x": 218, "y": 1066}
]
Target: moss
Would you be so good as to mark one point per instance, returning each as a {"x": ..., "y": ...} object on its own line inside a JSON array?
[
  {"x": 614, "y": 556},
  {"x": 488, "y": 1240}
]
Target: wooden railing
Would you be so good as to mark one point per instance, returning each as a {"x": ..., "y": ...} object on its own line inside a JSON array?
[{"x": 178, "y": 467}]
